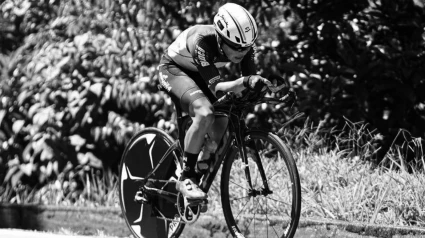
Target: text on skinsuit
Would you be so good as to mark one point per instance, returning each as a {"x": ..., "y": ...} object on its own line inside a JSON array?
[
  {"x": 214, "y": 80},
  {"x": 164, "y": 83},
  {"x": 201, "y": 55}
]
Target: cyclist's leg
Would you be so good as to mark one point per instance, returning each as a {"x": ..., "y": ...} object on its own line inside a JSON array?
[
  {"x": 202, "y": 115},
  {"x": 192, "y": 100},
  {"x": 218, "y": 128}
]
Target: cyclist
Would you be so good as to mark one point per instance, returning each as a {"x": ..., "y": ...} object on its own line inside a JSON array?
[{"x": 188, "y": 71}]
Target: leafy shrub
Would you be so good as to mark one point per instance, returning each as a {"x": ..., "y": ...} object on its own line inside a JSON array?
[{"x": 82, "y": 78}]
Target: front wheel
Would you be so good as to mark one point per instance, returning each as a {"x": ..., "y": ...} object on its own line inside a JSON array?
[{"x": 269, "y": 206}]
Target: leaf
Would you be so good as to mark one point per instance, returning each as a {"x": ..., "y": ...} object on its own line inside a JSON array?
[
  {"x": 2, "y": 114},
  {"x": 23, "y": 96},
  {"x": 77, "y": 140},
  {"x": 17, "y": 126},
  {"x": 39, "y": 66},
  {"x": 97, "y": 89},
  {"x": 63, "y": 62},
  {"x": 43, "y": 116},
  {"x": 10, "y": 172},
  {"x": 26, "y": 169},
  {"x": 16, "y": 178},
  {"x": 94, "y": 161},
  {"x": 47, "y": 153},
  {"x": 33, "y": 109},
  {"x": 80, "y": 40},
  {"x": 82, "y": 158}
]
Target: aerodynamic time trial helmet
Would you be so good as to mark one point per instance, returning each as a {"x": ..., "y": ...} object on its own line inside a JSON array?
[{"x": 235, "y": 24}]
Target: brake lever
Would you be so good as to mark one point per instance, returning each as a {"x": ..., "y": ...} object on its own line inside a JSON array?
[
  {"x": 225, "y": 98},
  {"x": 276, "y": 89}
]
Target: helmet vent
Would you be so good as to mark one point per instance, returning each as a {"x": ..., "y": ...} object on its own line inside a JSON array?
[
  {"x": 228, "y": 33},
  {"x": 220, "y": 25},
  {"x": 237, "y": 39}
]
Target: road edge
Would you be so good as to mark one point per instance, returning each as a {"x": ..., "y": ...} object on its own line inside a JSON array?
[{"x": 91, "y": 220}]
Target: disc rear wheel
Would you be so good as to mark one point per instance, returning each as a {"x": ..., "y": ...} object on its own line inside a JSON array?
[{"x": 159, "y": 217}]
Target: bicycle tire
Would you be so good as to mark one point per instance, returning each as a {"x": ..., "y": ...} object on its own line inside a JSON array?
[
  {"x": 141, "y": 154},
  {"x": 286, "y": 194}
]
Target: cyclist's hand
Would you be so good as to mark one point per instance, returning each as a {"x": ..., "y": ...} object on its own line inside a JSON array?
[{"x": 257, "y": 83}]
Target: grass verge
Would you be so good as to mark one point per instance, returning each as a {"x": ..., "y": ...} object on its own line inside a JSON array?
[{"x": 339, "y": 181}]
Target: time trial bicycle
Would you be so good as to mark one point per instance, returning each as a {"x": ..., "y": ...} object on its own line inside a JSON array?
[{"x": 260, "y": 185}]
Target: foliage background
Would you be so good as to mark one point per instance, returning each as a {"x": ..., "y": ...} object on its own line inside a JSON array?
[{"x": 78, "y": 78}]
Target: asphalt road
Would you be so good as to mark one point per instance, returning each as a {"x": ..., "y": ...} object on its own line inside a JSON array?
[
  {"x": 301, "y": 233},
  {"x": 307, "y": 232},
  {"x": 15, "y": 233}
]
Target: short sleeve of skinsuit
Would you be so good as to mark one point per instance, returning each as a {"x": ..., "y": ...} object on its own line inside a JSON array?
[{"x": 206, "y": 58}]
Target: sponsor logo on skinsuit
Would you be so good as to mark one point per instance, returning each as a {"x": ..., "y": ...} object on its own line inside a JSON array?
[
  {"x": 214, "y": 80},
  {"x": 163, "y": 82},
  {"x": 201, "y": 56}
]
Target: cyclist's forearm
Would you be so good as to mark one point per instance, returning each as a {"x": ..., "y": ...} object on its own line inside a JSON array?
[{"x": 235, "y": 86}]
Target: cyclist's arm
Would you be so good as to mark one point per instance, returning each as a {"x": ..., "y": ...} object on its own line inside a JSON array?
[
  {"x": 248, "y": 67},
  {"x": 204, "y": 61},
  {"x": 235, "y": 86}
]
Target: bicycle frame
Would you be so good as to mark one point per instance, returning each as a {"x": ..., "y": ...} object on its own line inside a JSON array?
[{"x": 227, "y": 149}]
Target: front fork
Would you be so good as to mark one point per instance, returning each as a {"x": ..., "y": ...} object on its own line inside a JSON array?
[{"x": 245, "y": 141}]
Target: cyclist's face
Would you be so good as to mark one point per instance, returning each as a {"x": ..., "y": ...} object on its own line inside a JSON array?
[{"x": 234, "y": 55}]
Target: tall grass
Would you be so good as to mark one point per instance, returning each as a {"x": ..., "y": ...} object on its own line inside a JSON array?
[
  {"x": 83, "y": 188},
  {"x": 345, "y": 182}
]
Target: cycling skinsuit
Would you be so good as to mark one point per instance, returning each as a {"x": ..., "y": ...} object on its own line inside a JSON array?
[{"x": 190, "y": 65}]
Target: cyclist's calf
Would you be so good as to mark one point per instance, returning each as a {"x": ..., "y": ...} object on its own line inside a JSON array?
[{"x": 202, "y": 114}]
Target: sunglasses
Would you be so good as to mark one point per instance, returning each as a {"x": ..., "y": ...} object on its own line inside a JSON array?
[{"x": 234, "y": 46}]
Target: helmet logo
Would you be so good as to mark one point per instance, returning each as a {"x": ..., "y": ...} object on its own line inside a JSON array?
[
  {"x": 247, "y": 29},
  {"x": 224, "y": 19}
]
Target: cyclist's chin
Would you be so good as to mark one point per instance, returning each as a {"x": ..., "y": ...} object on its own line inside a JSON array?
[{"x": 236, "y": 59}]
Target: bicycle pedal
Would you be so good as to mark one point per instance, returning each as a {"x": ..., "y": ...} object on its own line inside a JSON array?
[
  {"x": 202, "y": 204},
  {"x": 195, "y": 202}
]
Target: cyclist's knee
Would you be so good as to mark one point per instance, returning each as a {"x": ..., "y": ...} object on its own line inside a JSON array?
[
  {"x": 204, "y": 117},
  {"x": 203, "y": 113}
]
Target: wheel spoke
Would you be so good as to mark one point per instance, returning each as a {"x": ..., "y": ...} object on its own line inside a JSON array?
[
  {"x": 236, "y": 199},
  {"x": 239, "y": 185},
  {"x": 270, "y": 222},
  {"x": 249, "y": 224},
  {"x": 273, "y": 199},
  {"x": 242, "y": 209},
  {"x": 254, "y": 217},
  {"x": 276, "y": 172},
  {"x": 267, "y": 218}
]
